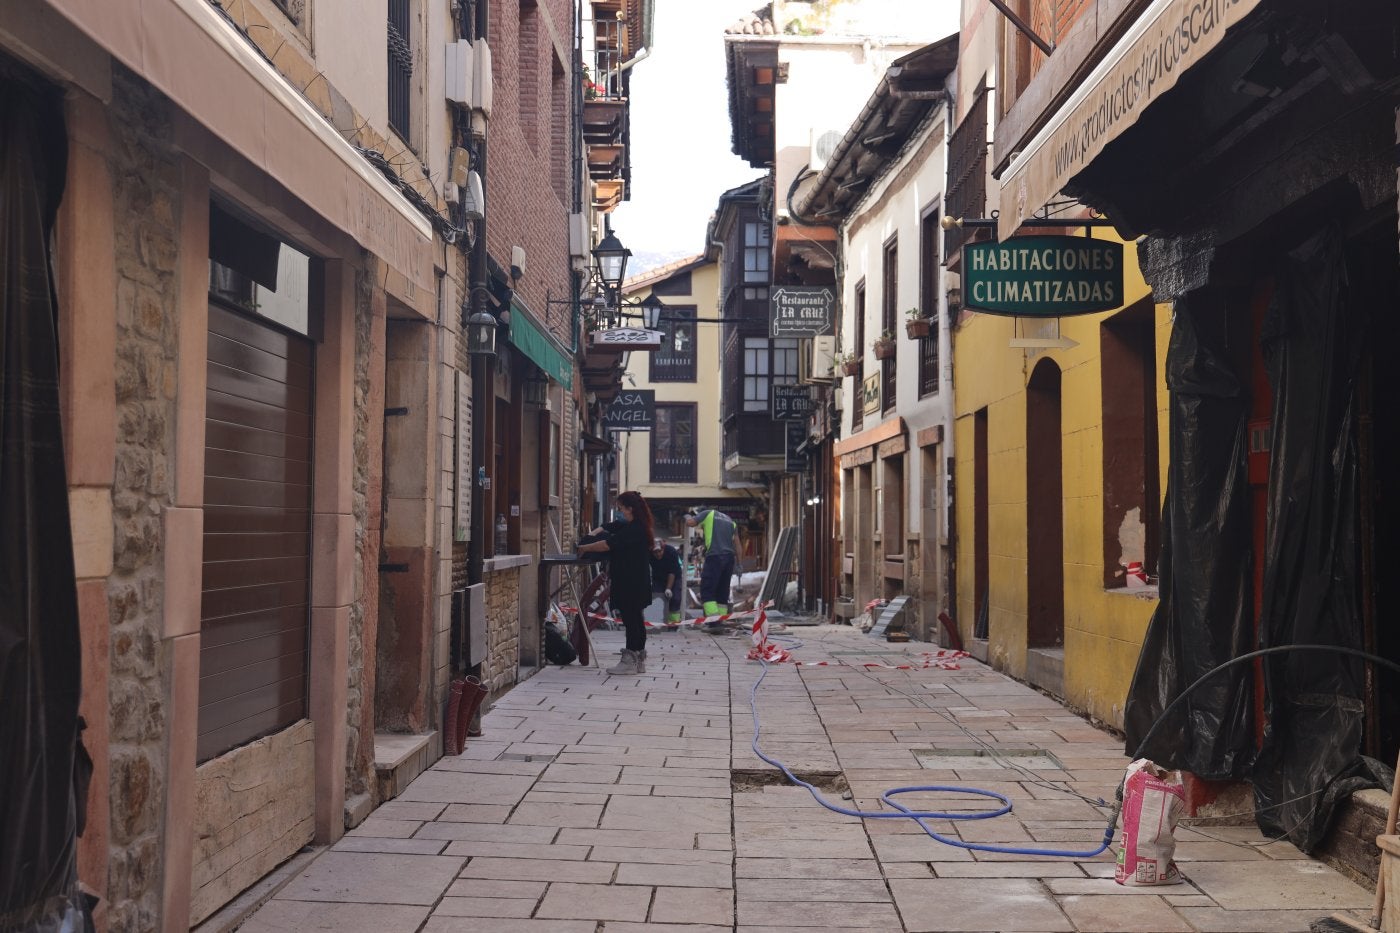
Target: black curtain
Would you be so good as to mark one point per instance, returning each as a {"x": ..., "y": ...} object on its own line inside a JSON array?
[
  {"x": 1205, "y": 613},
  {"x": 39, "y": 648}
]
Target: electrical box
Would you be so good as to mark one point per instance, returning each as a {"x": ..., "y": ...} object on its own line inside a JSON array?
[{"x": 467, "y": 70}]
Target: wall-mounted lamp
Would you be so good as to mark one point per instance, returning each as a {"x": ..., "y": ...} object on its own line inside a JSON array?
[
  {"x": 536, "y": 391},
  {"x": 611, "y": 257},
  {"x": 651, "y": 311},
  {"x": 481, "y": 334}
]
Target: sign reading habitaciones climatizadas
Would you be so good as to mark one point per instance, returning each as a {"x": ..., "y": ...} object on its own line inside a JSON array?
[{"x": 1043, "y": 276}]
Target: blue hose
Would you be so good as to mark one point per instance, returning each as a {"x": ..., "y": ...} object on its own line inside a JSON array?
[{"x": 919, "y": 816}]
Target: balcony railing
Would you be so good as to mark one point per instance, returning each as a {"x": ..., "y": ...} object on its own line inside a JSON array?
[{"x": 967, "y": 176}]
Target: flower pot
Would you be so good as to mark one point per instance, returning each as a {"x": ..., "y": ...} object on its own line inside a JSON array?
[
  {"x": 850, "y": 368},
  {"x": 918, "y": 327},
  {"x": 884, "y": 349}
]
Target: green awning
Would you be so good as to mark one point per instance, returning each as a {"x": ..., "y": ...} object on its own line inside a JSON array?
[{"x": 530, "y": 338}]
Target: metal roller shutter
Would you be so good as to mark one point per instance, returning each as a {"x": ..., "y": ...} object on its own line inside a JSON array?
[{"x": 255, "y": 610}]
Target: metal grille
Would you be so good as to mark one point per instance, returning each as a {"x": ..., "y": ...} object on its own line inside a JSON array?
[
  {"x": 928, "y": 303},
  {"x": 889, "y": 315},
  {"x": 967, "y": 175},
  {"x": 400, "y": 66}
]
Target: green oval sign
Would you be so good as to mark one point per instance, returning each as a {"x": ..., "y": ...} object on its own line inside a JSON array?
[{"x": 1043, "y": 276}]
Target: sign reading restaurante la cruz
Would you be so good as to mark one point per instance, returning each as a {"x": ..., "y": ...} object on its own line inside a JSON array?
[
  {"x": 801, "y": 311},
  {"x": 1043, "y": 276}
]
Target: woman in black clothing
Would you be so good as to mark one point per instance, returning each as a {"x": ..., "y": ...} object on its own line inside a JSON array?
[{"x": 628, "y": 545}]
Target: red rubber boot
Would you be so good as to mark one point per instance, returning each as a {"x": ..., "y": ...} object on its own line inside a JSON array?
[{"x": 451, "y": 745}]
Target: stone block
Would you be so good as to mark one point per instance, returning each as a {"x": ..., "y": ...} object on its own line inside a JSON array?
[
  {"x": 254, "y": 808},
  {"x": 90, "y": 514}
]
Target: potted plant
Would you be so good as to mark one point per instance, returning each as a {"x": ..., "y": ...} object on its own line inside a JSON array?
[
  {"x": 885, "y": 346},
  {"x": 916, "y": 325},
  {"x": 848, "y": 364}
]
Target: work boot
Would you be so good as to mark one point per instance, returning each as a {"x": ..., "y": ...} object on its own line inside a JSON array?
[{"x": 628, "y": 664}]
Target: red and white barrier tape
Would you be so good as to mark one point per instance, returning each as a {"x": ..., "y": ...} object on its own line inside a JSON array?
[{"x": 703, "y": 620}]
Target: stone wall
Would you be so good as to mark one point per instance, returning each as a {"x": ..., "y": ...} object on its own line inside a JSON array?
[
  {"x": 146, "y": 183},
  {"x": 367, "y": 507},
  {"x": 254, "y": 808},
  {"x": 502, "y": 665}
]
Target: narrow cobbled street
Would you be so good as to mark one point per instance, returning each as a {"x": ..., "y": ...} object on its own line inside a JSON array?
[{"x": 636, "y": 803}]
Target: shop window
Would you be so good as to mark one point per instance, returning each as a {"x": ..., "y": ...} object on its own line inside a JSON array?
[
  {"x": 675, "y": 360},
  {"x": 767, "y": 363},
  {"x": 1131, "y": 484},
  {"x": 400, "y": 67},
  {"x": 894, "y": 493},
  {"x": 889, "y": 323},
  {"x": 673, "y": 447}
]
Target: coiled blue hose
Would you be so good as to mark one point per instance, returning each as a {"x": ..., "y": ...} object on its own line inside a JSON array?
[{"x": 919, "y": 816}]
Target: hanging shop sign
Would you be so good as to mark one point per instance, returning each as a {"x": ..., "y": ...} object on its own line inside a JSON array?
[
  {"x": 1163, "y": 43},
  {"x": 870, "y": 395},
  {"x": 790, "y": 403},
  {"x": 794, "y": 457},
  {"x": 801, "y": 311},
  {"x": 631, "y": 410},
  {"x": 1043, "y": 276},
  {"x": 623, "y": 339}
]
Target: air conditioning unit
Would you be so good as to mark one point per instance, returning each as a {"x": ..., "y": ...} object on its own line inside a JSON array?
[
  {"x": 578, "y": 235},
  {"x": 816, "y": 364},
  {"x": 824, "y": 143},
  {"x": 467, "y": 70}
]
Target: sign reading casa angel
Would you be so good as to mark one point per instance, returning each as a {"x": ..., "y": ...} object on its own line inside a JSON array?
[
  {"x": 1167, "y": 39},
  {"x": 1043, "y": 276},
  {"x": 627, "y": 339}
]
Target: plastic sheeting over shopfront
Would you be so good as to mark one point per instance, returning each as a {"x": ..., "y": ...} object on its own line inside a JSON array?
[
  {"x": 41, "y": 763},
  {"x": 1309, "y": 757}
]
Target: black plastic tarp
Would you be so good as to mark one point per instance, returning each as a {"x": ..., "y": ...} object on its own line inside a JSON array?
[
  {"x": 1310, "y": 755},
  {"x": 1315, "y": 712},
  {"x": 1205, "y": 613},
  {"x": 39, "y": 648}
]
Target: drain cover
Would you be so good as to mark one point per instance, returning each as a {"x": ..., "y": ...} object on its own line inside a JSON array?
[
  {"x": 518, "y": 756},
  {"x": 967, "y": 759}
]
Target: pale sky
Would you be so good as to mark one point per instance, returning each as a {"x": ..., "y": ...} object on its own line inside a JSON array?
[{"x": 681, "y": 161}]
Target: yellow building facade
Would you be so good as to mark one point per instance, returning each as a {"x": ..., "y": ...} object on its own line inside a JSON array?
[
  {"x": 685, "y": 375},
  {"x": 1007, "y": 400}
]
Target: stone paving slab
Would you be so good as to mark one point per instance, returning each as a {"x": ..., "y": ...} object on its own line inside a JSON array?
[{"x": 643, "y": 809}]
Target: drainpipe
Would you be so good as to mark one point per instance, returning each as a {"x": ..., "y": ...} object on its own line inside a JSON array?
[{"x": 482, "y": 409}]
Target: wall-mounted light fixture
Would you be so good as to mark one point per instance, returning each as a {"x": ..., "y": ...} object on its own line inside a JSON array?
[
  {"x": 611, "y": 257},
  {"x": 651, "y": 311},
  {"x": 481, "y": 334},
  {"x": 536, "y": 391}
]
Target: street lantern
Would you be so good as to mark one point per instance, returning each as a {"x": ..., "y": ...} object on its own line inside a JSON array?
[
  {"x": 651, "y": 311},
  {"x": 611, "y": 257},
  {"x": 481, "y": 334}
]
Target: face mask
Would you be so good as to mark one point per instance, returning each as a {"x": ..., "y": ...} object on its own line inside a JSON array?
[{"x": 618, "y": 516}]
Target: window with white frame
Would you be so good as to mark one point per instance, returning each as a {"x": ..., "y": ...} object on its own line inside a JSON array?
[
  {"x": 756, "y": 243},
  {"x": 767, "y": 363}
]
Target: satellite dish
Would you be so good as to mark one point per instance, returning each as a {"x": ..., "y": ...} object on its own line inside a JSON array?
[{"x": 823, "y": 147}]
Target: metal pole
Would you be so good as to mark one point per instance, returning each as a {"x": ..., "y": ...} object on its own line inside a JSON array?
[{"x": 1023, "y": 27}]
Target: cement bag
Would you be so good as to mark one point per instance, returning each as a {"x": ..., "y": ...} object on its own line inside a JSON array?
[{"x": 1153, "y": 800}]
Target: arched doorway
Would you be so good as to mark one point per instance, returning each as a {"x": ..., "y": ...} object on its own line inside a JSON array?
[{"x": 1045, "y": 550}]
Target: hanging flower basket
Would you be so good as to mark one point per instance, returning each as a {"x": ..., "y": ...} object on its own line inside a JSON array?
[
  {"x": 918, "y": 327},
  {"x": 884, "y": 349},
  {"x": 850, "y": 367}
]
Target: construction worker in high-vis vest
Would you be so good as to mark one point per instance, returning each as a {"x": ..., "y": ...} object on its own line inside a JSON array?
[{"x": 719, "y": 533}]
